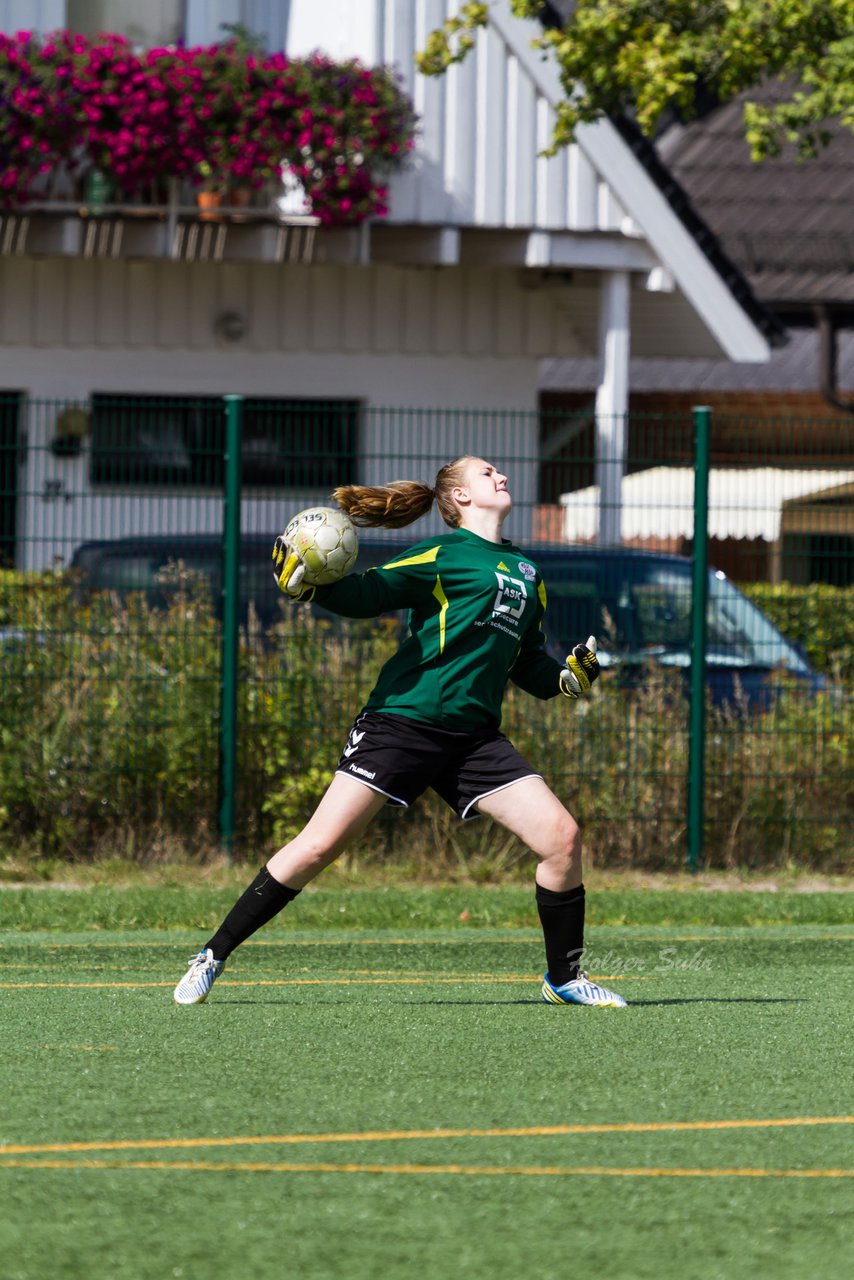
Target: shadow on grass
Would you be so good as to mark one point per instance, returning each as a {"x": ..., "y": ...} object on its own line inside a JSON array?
[
  {"x": 633, "y": 1004},
  {"x": 721, "y": 1000},
  {"x": 301, "y": 1004}
]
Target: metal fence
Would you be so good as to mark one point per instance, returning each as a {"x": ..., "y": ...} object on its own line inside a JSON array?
[{"x": 158, "y": 693}]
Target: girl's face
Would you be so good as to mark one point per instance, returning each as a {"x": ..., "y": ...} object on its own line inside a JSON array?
[{"x": 485, "y": 487}]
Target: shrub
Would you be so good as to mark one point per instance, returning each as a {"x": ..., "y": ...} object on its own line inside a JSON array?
[
  {"x": 109, "y": 724},
  {"x": 818, "y": 617}
]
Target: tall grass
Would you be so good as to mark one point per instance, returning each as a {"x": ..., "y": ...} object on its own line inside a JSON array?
[{"x": 110, "y": 735}]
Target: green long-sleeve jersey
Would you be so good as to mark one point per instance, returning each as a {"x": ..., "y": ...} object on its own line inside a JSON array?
[{"x": 475, "y": 614}]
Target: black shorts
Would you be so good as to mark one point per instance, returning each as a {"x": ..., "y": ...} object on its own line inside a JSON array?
[{"x": 401, "y": 758}]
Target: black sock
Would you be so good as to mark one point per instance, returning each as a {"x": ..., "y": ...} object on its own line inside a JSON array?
[
  {"x": 264, "y": 899},
  {"x": 562, "y": 918}
]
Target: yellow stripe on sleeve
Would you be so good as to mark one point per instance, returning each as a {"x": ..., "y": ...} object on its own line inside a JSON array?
[
  {"x": 426, "y": 557},
  {"x": 443, "y": 601}
]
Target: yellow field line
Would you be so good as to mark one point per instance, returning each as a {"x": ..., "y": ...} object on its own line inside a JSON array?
[
  {"x": 308, "y": 982},
  {"x": 89, "y": 1048},
  {"x": 412, "y": 942},
  {"x": 345, "y": 973},
  {"x": 536, "y": 1171},
  {"x": 344, "y": 938},
  {"x": 408, "y": 1135}
]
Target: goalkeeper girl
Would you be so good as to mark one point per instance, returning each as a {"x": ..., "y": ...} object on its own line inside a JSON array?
[{"x": 476, "y": 607}]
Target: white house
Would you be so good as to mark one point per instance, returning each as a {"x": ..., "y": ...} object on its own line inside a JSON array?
[{"x": 492, "y": 258}]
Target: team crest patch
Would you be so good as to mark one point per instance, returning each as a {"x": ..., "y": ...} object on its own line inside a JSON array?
[{"x": 527, "y": 571}]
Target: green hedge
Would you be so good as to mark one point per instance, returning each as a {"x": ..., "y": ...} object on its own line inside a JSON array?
[
  {"x": 110, "y": 736},
  {"x": 818, "y": 617},
  {"x": 35, "y": 601}
]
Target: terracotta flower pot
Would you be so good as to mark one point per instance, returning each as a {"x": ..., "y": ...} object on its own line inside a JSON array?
[
  {"x": 239, "y": 198},
  {"x": 208, "y": 202}
]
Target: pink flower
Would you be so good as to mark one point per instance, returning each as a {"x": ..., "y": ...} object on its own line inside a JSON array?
[{"x": 174, "y": 109}]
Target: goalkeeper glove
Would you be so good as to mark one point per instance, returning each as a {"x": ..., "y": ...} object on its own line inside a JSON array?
[
  {"x": 288, "y": 570},
  {"x": 582, "y": 668}
]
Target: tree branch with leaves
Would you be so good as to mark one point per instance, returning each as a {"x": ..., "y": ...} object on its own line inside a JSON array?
[{"x": 649, "y": 59}]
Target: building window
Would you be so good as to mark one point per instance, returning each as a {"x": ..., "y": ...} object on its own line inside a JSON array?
[
  {"x": 299, "y": 444},
  {"x": 11, "y": 446},
  {"x": 144, "y": 24},
  {"x": 179, "y": 442}
]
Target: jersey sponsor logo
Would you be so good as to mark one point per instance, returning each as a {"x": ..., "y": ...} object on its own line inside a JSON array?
[
  {"x": 527, "y": 571},
  {"x": 511, "y": 597},
  {"x": 498, "y": 626}
]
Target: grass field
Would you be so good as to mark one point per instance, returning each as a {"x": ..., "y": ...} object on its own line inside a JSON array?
[{"x": 378, "y": 1091}]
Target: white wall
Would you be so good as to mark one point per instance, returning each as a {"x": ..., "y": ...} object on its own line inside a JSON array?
[
  {"x": 338, "y": 27},
  {"x": 414, "y": 382},
  {"x": 127, "y": 306}
]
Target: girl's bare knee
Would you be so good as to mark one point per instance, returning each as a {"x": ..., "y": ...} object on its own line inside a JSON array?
[
  {"x": 566, "y": 841},
  {"x": 301, "y": 860},
  {"x": 561, "y": 861}
]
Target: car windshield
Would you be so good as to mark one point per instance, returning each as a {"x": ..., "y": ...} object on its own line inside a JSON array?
[
  {"x": 641, "y": 609},
  {"x": 737, "y": 626}
]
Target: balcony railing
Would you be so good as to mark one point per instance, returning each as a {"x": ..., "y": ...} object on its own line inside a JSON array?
[{"x": 71, "y": 228}]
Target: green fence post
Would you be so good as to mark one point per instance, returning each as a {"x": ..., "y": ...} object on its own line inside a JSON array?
[
  {"x": 699, "y": 598},
  {"x": 230, "y": 620}
]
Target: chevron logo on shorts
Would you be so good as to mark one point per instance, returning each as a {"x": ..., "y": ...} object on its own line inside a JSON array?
[{"x": 353, "y": 744}]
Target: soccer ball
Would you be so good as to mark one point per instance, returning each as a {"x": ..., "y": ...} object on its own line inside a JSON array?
[{"x": 326, "y": 541}]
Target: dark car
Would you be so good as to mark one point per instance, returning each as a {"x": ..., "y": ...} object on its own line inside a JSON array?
[
  {"x": 637, "y": 604},
  {"x": 160, "y": 565}
]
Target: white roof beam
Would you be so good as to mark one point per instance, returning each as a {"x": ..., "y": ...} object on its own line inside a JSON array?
[
  {"x": 422, "y": 245},
  {"x": 632, "y": 188},
  {"x": 595, "y": 252},
  {"x": 612, "y": 403},
  {"x": 416, "y": 245}
]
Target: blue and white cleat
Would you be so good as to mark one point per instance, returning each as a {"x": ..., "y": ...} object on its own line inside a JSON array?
[
  {"x": 199, "y": 978},
  {"x": 582, "y": 991}
]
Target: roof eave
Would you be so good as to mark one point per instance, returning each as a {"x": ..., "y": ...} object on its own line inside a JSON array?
[{"x": 721, "y": 296}]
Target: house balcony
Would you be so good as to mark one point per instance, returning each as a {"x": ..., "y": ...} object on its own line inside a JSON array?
[
  {"x": 177, "y": 231},
  {"x": 183, "y": 232}
]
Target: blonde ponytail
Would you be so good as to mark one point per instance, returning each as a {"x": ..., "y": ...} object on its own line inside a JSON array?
[
  {"x": 391, "y": 506},
  {"x": 388, "y": 506}
]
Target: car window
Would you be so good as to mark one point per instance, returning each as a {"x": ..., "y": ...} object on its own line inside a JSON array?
[
  {"x": 746, "y": 629},
  {"x": 123, "y": 572},
  {"x": 587, "y": 596},
  {"x": 640, "y": 608},
  {"x": 157, "y": 573},
  {"x": 663, "y": 604}
]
